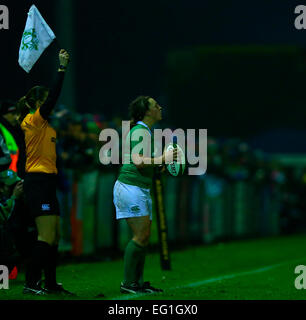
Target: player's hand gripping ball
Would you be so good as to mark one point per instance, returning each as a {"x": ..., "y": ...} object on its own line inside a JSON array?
[{"x": 177, "y": 166}]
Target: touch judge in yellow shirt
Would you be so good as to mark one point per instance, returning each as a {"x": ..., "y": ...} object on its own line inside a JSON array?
[{"x": 34, "y": 110}]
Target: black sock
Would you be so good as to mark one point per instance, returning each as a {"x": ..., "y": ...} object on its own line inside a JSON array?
[
  {"x": 37, "y": 262},
  {"x": 50, "y": 268}
]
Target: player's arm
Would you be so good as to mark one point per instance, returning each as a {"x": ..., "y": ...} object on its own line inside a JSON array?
[
  {"x": 144, "y": 162},
  {"x": 47, "y": 107}
]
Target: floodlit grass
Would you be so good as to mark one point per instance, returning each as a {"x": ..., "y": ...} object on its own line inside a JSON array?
[{"x": 260, "y": 269}]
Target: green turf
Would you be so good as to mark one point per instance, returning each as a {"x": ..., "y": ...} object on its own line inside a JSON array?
[{"x": 239, "y": 263}]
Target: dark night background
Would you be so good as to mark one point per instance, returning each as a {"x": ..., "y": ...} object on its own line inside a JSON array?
[{"x": 236, "y": 68}]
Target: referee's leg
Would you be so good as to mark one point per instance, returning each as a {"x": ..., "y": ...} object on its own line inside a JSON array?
[
  {"x": 50, "y": 233},
  {"x": 42, "y": 256},
  {"x": 47, "y": 228}
]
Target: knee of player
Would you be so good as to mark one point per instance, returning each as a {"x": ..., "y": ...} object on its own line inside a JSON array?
[{"x": 143, "y": 238}]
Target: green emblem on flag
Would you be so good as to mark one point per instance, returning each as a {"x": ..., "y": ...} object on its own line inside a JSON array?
[
  {"x": 29, "y": 40},
  {"x": 135, "y": 209}
]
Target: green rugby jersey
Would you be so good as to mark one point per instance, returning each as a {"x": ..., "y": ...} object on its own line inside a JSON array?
[{"x": 129, "y": 173}]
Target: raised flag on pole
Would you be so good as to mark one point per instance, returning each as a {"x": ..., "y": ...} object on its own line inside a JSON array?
[{"x": 36, "y": 37}]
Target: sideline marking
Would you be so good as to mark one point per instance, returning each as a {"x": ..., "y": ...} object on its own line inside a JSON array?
[{"x": 211, "y": 280}]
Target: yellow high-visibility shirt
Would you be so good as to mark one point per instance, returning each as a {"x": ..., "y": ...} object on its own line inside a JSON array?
[{"x": 40, "y": 140}]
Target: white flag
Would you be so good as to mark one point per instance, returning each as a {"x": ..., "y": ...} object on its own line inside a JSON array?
[{"x": 36, "y": 37}]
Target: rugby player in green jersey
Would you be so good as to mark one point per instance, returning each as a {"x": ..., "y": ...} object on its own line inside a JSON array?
[{"x": 132, "y": 191}]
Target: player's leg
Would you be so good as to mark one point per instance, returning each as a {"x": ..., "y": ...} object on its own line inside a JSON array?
[
  {"x": 135, "y": 254},
  {"x": 136, "y": 249},
  {"x": 141, "y": 263},
  {"x": 146, "y": 286},
  {"x": 141, "y": 229}
]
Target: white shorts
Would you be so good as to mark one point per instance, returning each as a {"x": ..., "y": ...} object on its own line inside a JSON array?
[{"x": 131, "y": 201}]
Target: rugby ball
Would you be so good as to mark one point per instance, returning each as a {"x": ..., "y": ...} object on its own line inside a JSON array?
[{"x": 176, "y": 168}]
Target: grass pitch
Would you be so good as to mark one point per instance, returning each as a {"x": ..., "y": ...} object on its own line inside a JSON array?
[{"x": 261, "y": 269}]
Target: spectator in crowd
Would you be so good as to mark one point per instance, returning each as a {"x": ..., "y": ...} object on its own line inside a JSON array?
[
  {"x": 5, "y": 157},
  {"x": 17, "y": 233},
  {"x": 13, "y": 136}
]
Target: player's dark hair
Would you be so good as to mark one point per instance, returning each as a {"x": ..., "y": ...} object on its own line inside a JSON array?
[
  {"x": 28, "y": 102},
  {"x": 138, "y": 109}
]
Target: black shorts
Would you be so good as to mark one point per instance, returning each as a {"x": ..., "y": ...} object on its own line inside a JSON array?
[{"x": 40, "y": 194}]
